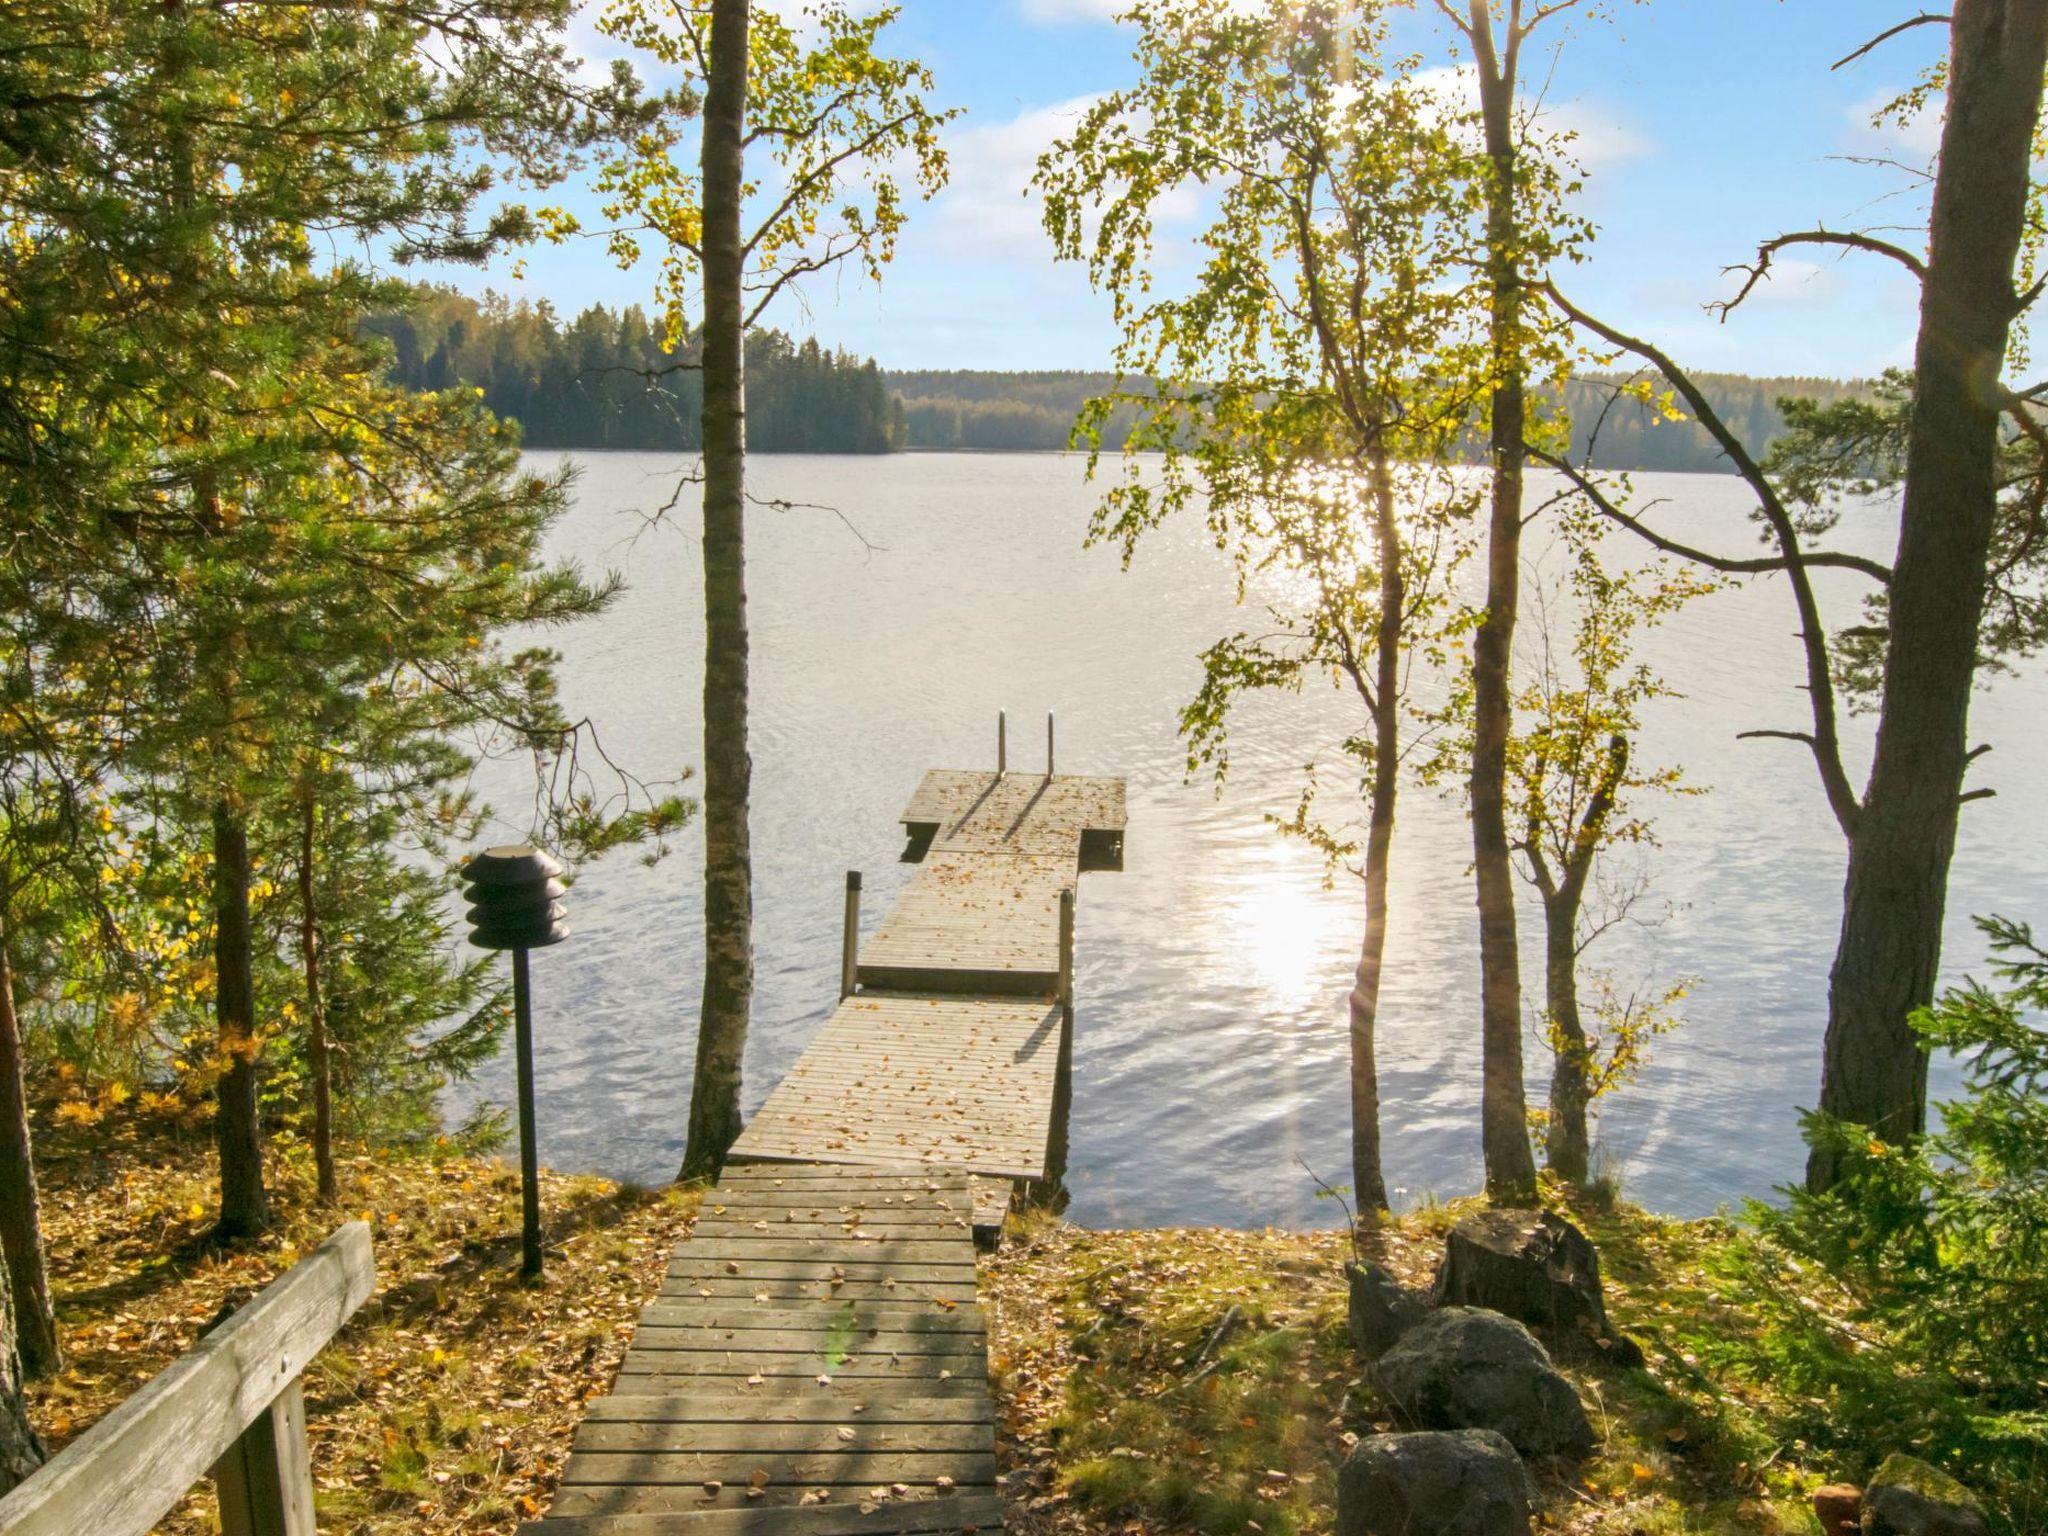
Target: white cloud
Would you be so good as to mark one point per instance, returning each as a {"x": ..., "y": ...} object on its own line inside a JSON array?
[
  {"x": 985, "y": 207},
  {"x": 1791, "y": 284},
  {"x": 987, "y": 210},
  {"x": 1915, "y": 140},
  {"x": 1597, "y": 134},
  {"x": 1053, "y": 13}
]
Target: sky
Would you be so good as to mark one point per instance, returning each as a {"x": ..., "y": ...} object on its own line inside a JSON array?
[{"x": 1704, "y": 125}]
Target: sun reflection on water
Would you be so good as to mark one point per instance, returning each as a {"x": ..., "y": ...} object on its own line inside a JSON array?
[{"x": 1283, "y": 925}]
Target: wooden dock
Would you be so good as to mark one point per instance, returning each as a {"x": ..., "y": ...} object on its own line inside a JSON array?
[{"x": 816, "y": 1362}]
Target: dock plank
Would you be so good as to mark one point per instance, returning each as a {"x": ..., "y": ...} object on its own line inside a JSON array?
[{"x": 815, "y": 1361}]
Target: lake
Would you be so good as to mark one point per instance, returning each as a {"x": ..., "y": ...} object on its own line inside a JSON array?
[{"x": 910, "y": 597}]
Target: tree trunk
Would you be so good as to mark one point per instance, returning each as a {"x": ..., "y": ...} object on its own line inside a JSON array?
[
  {"x": 21, "y": 1216},
  {"x": 1874, "y": 1071},
  {"x": 1566, "y": 1147},
  {"x": 21, "y": 1449},
  {"x": 1368, "y": 1176},
  {"x": 244, "y": 1204},
  {"x": 317, "y": 1056},
  {"x": 728, "y": 859},
  {"x": 1510, "y": 1164}
]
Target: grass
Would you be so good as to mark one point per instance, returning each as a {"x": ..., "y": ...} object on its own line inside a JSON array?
[
  {"x": 448, "y": 1403},
  {"x": 1203, "y": 1380},
  {"x": 1158, "y": 1380}
]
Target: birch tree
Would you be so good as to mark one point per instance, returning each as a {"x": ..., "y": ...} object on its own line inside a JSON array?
[
  {"x": 810, "y": 144},
  {"x": 1525, "y": 231},
  {"x": 1306, "y": 384}
]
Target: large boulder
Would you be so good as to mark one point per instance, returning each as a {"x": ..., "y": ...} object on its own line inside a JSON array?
[
  {"x": 1382, "y": 1309},
  {"x": 1467, "y": 1482},
  {"x": 1908, "y": 1497},
  {"x": 1538, "y": 1269},
  {"x": 1461, "y": 1368}
]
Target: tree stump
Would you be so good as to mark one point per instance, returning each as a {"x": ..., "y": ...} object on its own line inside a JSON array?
[
  {"x": 1537, "y": 1268},
  {"x": 1839, "y": 1508},
  {"x": 1382, "y": 1309}
]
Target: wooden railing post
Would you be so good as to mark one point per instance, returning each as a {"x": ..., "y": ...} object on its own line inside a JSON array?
[
  {"x": 265, "y": 1481},
  {"x": 1067, "y": 951},
  {"x": 1002, "y": 743},
  {"x": 849, "y": 943},
  {"x": 231, "y": 1407}
]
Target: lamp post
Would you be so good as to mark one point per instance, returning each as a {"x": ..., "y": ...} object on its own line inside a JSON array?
[{"x": 513, "y": 905}]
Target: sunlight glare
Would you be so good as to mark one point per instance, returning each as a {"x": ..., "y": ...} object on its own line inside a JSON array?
[{"x": 1288, "y": 930}]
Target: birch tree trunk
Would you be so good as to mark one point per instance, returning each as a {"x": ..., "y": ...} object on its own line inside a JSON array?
[
  {"x": 1510, "y": 1164},
  {"x": 728, "y": 859},
  {"x": 21, "y": 1449},
  {"x": 1566, "y": 1144},
  {"x": 1368, "y": 1174}
]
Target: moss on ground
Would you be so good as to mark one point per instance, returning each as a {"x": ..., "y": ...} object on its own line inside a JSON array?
[{"x": 1203, "y": 1380}]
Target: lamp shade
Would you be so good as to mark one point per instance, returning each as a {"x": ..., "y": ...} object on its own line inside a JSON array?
[{"x": 514, "y": 898}]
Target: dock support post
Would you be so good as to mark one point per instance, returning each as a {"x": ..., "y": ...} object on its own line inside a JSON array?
[
  {"x": 1067, "y": 954},
  {"x": 1048, "y": 743},
  {"x": 1002, "y": 743},
  {"x": 849, "y": 943}
]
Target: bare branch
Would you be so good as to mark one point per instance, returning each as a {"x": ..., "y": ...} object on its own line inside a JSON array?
[
  {"x": 1730, "y": 565},
  {"x": 1924, "y": 19},
  {"x": 1854, "y": 242},
  {"x": 1820, "y": 682}
]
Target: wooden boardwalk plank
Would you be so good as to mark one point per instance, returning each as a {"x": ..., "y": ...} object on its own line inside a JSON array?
[
  {"x": 1018, "y": 813},
  {"x": 824, "y": 1406},
  {"x": 957, "y": 1516},
  {"x": 608, "y": 1511},
  {"x": 852, "y": 1436},
  {"x": 994, "y": 918},
  {"x": 814, "y": 1338},
  {"x": 815, "y": 1362}
]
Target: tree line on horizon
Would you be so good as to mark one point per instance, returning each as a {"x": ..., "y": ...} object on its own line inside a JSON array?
[{"x": 605, "y": 380}]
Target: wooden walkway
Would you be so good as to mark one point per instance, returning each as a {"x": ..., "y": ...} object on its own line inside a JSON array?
[
  {"x": 816, "y": 1363},
  {"x": 952, "y": 1052}
]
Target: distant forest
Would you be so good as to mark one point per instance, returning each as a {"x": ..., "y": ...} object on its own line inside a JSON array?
[
  {"x": 602, "y": 380},
  {"x": 976, "y": 410}
]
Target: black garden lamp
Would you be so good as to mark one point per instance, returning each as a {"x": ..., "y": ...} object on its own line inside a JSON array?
[{"x": 513, "y": 896}]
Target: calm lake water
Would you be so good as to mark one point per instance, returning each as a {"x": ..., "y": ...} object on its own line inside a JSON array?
[{"x": 1210, "y": 1051}]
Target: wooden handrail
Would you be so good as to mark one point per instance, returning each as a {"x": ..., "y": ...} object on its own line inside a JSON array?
[{"x": 231, "y": 1407}]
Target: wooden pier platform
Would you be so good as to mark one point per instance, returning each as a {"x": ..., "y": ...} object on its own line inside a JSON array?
[
  {"x": 951, "y": 1051},
  {"x": 816, "y": 1363}
]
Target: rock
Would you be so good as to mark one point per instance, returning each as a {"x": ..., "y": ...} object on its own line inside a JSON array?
[
  {"x": 1537, "y": 1268},
  {"x": 1467, "y": 1482},
  {"x": 1462, "y": 1368},
  {"x": 1382, "y": 1309},
  {"x": 1907, "y": 1497},
  {"x": 1839, "y": 1508}
]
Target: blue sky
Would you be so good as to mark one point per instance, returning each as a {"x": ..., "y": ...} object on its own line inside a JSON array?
[{"x": 1706, "y": 125}]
